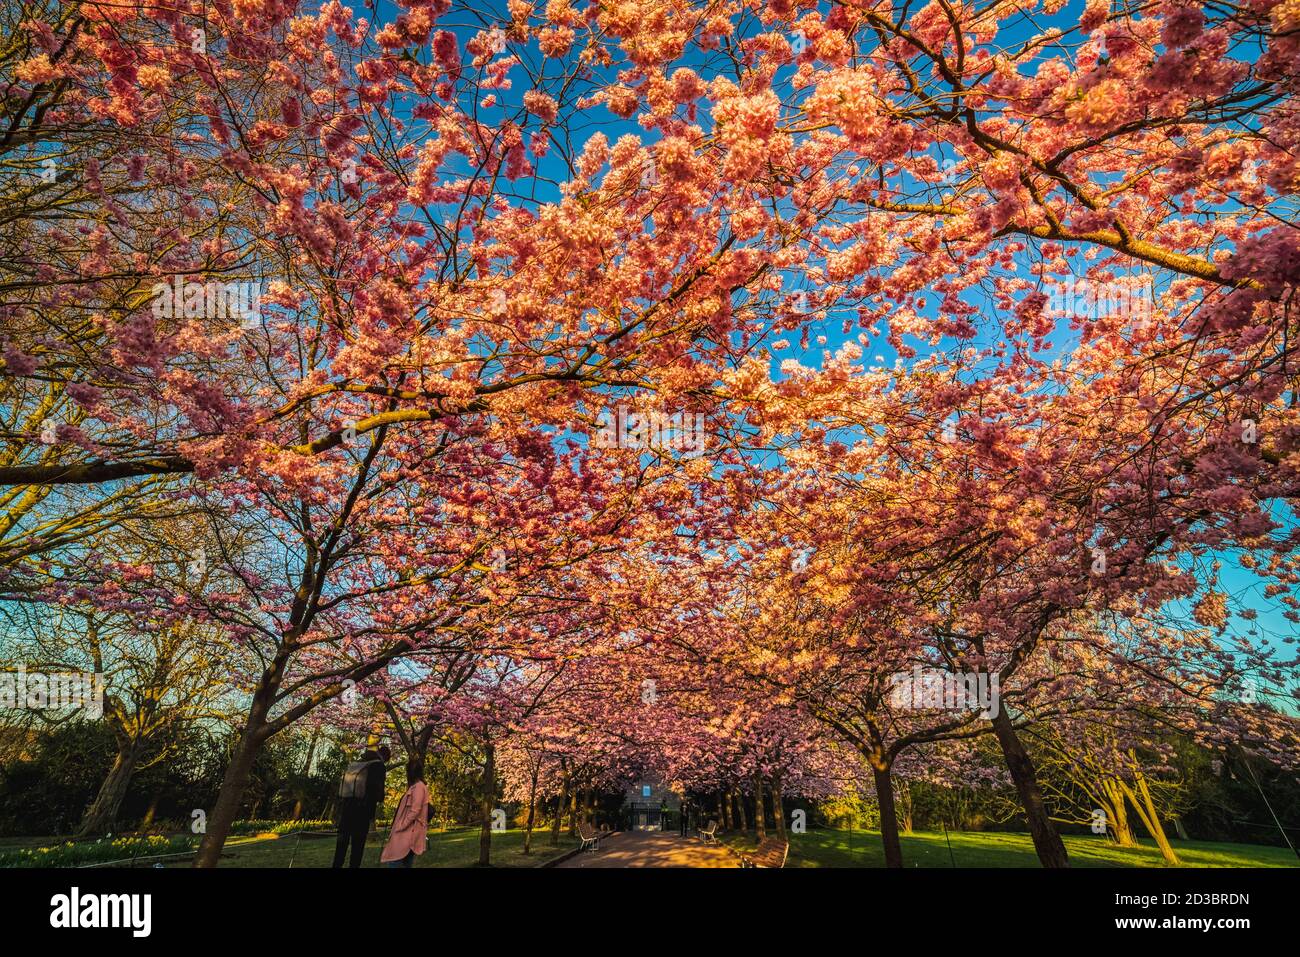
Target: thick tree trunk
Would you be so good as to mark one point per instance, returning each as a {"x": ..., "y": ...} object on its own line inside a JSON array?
[
  {"x": 724, "y": 814},
  {"x": 760, "y": 818},
  {"x": 573, "y": 812},
  {"x": 778, "y": 809},
  {"x": 101, "y": 817},
  {"x": 231, "y": 795},
  {"x": 532, "y": 812},
  {"x": 1047, "y": 842},
  {"x": 888, "y": 817},
  {"x": 485, "y": 807},
  {"x": 254, "y": 734}
]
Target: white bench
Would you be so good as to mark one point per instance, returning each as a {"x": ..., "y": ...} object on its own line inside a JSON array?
[{"x": 590, "y": 838}]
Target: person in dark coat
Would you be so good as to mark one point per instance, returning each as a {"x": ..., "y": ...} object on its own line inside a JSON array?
[{"x": 356, "y": 813}]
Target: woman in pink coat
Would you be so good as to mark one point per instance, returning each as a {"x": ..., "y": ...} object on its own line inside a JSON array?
[{"x": 410, "y": 833}]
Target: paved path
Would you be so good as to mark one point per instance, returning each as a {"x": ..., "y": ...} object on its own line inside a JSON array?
[{"x": 653, "y": 849}]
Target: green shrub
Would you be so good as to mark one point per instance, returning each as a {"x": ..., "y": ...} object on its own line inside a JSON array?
[{"x": 851, "y": 811}]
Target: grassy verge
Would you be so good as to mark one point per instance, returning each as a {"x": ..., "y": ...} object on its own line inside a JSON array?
[
  {"x": 457, "y": 847},
  {"x": 828, "y": 848}
]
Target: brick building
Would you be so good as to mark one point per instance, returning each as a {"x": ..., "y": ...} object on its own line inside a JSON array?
[{"x": 644, "y": 802}]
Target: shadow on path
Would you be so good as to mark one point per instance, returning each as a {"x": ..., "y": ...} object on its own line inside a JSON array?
[{"x": 653, "y": 849}]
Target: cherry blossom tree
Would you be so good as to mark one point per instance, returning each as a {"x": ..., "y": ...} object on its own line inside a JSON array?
[{"x": 361, "y": 294}]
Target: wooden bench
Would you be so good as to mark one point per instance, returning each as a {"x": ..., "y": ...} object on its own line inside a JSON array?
[
  {"x": 710, "y": 833},
  {"x": 590, "y": 837},
  {"x": 771, "y": 852}
]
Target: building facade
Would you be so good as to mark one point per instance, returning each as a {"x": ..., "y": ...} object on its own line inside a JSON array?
[{"x": 645, "y": 802}]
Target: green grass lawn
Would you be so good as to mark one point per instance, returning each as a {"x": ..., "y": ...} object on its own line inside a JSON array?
[
  {"x": 453, "y": 848},
  {"x": 827, "y": 848},
  {"x": 457, "y": 847}
]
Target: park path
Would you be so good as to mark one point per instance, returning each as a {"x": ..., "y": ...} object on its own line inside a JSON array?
[{"x": 653, "y": 849}]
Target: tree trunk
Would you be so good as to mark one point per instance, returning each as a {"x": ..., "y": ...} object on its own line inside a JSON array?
[
  {"x": 311, "y": 751},
  {"x": 760, "y": 818},
  {"x": 1114, "y": 805},
  {"x": 905, "y": 807},
  {"x": 101, "y": 817},
  {"x": 724, "y": 814},
  {"x": 489, "y": 786},
  {"x": 888, "y": 817},
  {"x": 559, "y": 811},
  {"x": 252, "y": 736},
  {"x": 1047, "y": 842},
  {"x": 532, "y": 811},
  {"x": 742, "y": 820},
  {"x": 573, "y": 812},
  {"x": 233, "y": 783},
  {"x": 778, "y": 809},
  {"x": 152, "y": 809},
  {"x": 1146, "y": 810}
]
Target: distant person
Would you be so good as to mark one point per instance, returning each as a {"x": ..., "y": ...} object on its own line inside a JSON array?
[
  {"x": 410, "y": 832},
  {"x": 360, "y": 792}
]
